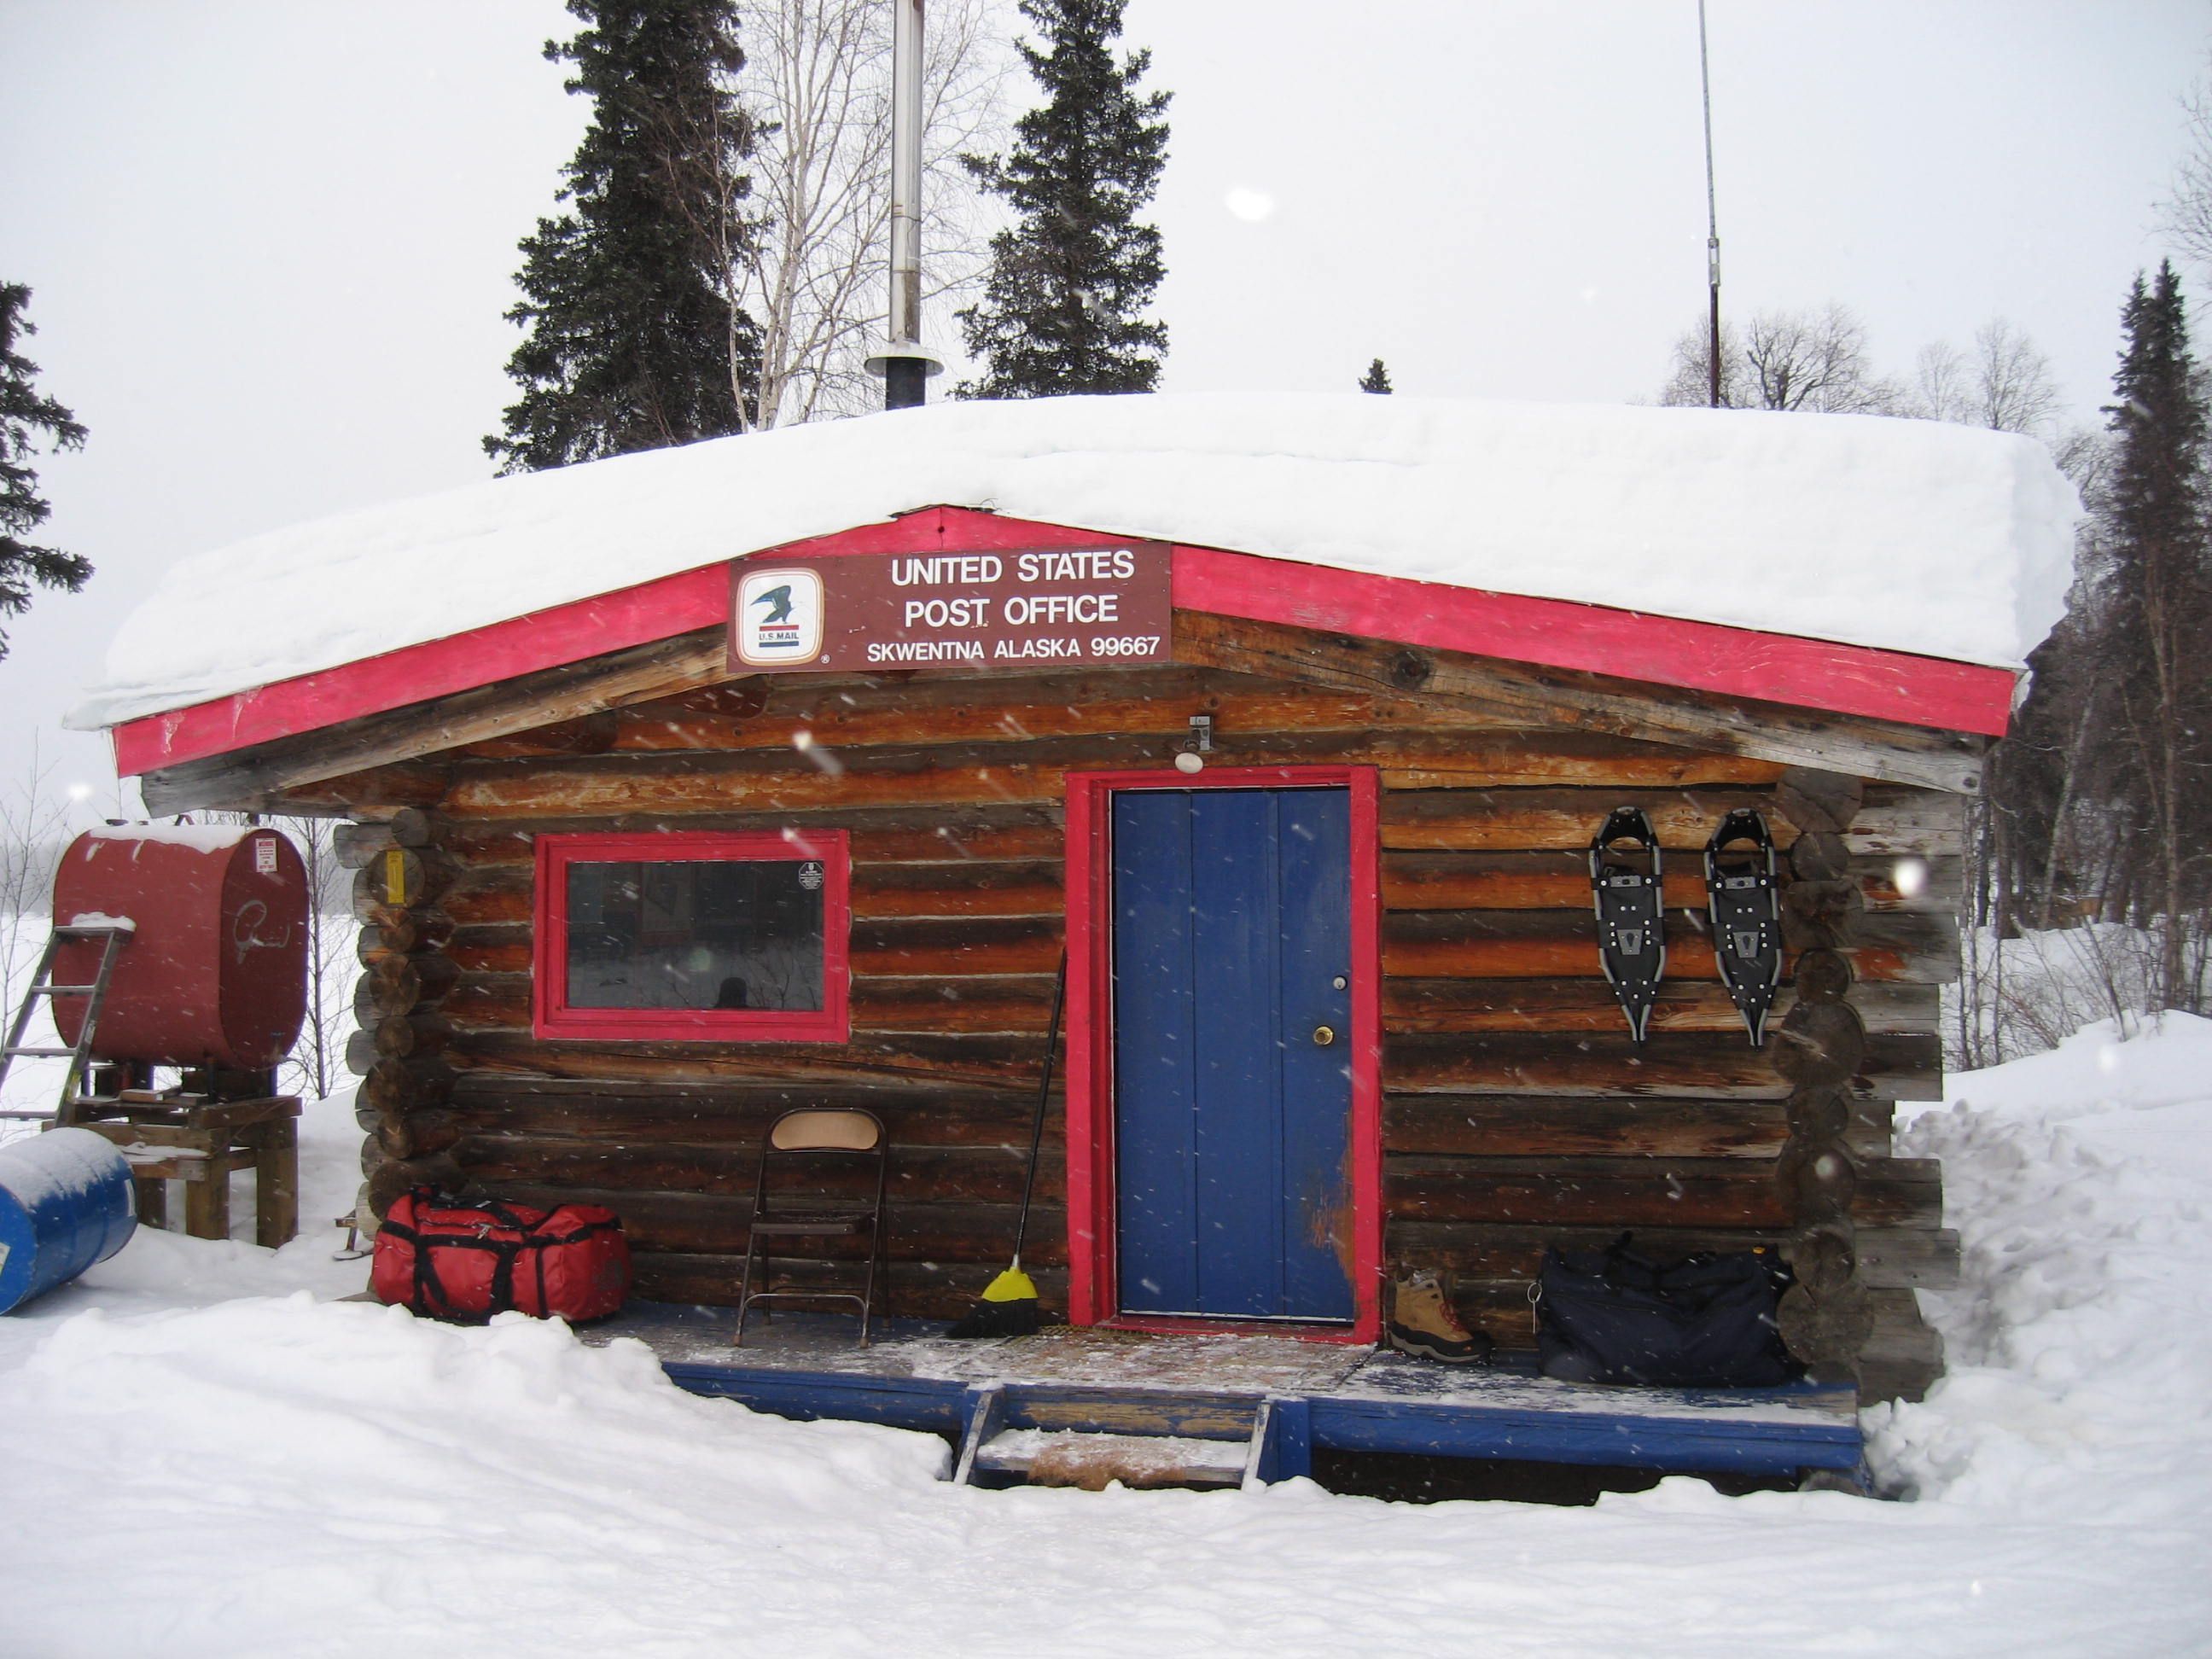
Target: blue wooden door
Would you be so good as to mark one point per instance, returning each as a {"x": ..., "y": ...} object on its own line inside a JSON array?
[{"x": 1232, "y": 1007}]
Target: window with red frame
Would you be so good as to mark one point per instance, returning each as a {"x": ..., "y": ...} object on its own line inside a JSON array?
[{"x": 703, "y": 936}]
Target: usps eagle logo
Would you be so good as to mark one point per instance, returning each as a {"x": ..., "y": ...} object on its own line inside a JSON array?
[{"x": 778, "y": 617}]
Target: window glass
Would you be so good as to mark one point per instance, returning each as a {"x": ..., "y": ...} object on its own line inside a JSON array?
[{"x": 737, "y": 933}]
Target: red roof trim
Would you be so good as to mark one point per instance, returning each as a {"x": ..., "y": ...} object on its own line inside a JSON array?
[
  {"x": 1846, "y": 679},
  {"x": 1739, "y": 662}
]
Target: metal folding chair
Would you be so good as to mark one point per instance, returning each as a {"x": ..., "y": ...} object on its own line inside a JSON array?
[{"x": 803, "y": 1150}]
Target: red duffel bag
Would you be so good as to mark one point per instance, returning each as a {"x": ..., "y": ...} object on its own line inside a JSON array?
[{"x": 452, "y": 1258}]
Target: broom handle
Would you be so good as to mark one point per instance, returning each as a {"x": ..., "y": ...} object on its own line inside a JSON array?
[{"x": 1044, "y": 1093}]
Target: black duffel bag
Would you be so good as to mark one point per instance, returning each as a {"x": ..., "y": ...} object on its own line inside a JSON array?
[{"x": 1615, "y": 1315}]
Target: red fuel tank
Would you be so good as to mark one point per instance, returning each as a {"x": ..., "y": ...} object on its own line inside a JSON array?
[{"x": 216, "y": 971}]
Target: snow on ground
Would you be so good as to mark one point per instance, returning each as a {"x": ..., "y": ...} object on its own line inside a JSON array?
[
  {"x": 1655, "y": 510},
  {"x": 205, "y": 1455}
]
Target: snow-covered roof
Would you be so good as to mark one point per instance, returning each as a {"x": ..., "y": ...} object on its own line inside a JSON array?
[{"x": 1938, "y": 540}]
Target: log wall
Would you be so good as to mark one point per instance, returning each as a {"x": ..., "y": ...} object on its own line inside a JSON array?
[{"x": 1516, "y": 1112}]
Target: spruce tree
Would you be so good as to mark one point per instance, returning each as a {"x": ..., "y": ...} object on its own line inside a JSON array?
[
  {"x": 1062, "y": 308},
  {"x": 1377, "y": 378},
  {"x": 632, "y": 338},
  {"x": 24, "y": 417},
  {"x": 2157, "y": 645}
]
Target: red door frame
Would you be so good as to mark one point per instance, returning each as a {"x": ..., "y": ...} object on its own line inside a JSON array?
[{"x": 1093, "y": 1292}]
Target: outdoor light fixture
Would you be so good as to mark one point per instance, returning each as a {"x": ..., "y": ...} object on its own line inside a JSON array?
[{"x": 1191, "y": 758}]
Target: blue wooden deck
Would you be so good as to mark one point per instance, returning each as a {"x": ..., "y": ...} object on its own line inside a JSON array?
[{"x": 1353, "y": 1398}]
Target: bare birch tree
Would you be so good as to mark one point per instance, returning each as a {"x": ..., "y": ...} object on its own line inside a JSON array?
[
  {"x": 2186, "y": 212},
  {"x": 811, "y": 267},
  {"x": 1813, "y": 360},
  {"x": 2004, "y": 383}
]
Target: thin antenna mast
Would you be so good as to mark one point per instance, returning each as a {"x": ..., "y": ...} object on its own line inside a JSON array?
[{"x": 1713, "y": 225}]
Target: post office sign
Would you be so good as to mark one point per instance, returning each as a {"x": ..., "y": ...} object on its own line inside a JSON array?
[{"x": 1103, "y": 603}]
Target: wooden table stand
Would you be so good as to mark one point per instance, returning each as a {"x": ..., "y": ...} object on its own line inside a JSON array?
[{"x": 201, "y": 1143}]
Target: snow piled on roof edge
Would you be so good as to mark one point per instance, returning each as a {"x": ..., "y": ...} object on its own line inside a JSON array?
[{"x": 1906, "y": 535}]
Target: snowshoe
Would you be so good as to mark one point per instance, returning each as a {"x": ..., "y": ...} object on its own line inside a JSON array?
[
  {"x": 1631, "y": 915},
  {"x": 1744, "y": 899}
]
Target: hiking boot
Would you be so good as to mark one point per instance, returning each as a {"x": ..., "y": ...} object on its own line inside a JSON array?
[{"x": 1422, "y": 1323}]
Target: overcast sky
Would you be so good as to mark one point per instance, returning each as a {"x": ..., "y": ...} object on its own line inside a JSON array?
[{"x": 270, "y": 240}]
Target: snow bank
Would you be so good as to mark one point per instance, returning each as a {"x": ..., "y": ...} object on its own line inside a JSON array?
[
  {"x": 2081, "y": 1335},
  {"x": 283, "y": 1476},
  {"x": 1939, "y": 540}
]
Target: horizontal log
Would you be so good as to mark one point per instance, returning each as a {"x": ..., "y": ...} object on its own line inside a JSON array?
[
  {"x": 969, "y": 837},
  {"x": 1002, "y": 1003},
  {"x": 1733, "y": 1194},
  {"x": 974, "y": 1236},
  {"x": 1587, "y": 1004},
  {"x": 1695, "y": 1064},
  {"x": 491, "y": 893},
  {"x": 1726, "y": 1194},
  {"x": 1544, "y": 1126},
  {"x": 1560, "y": 880},
  {"x": 1893, "y": 822},
  {"x": 1507, "y": 1252},
  {"x": 721, "y": 782},
  {"x": 497, "y": 948},
  {"x": 1908, "y": 1258},
  {"x": 903, "y": 1027},
  {"x": 1562, "y": 943},
  {"x": 877, "y": 835},
  {"x": 1259, "y": 720},
  {"x": 902, "y": 949},
  {"x": 839, "y": 714},
  {"x": 946, "y": 1063},
  {"x": 1535, "y": 695},
  {"x": 976, "y": 887},
  {"x": 374, "y": 792},
  {"x": 916, "y": 1290},
  {"x": 734, "y": 1116},
  {"x": 587, "y": 734},
  {"x": 975, "y": 1174},
  {"x": 488, "y": 1002}
]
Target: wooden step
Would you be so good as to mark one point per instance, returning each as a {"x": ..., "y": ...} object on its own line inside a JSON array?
[
  {"x": 1071, "y": 1457},
  {"x": 1059, "y": 1436}
]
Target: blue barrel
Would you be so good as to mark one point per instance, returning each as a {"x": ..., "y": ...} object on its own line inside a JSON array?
[{"x": 65, "y": 1203}]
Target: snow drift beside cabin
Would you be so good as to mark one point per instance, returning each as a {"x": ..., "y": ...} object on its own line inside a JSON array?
[{"x": 1904, "y": 535}]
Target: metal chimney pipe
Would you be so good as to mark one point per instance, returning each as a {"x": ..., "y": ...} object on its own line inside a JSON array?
[{"x": 902, "y": 362}]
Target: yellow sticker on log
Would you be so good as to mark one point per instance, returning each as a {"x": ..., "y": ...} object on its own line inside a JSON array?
[{"x": 395, "y": 876}]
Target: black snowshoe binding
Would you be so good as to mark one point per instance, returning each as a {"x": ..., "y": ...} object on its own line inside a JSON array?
[
  {"x": 1631, "y": 937},
  {"x": 1741, "y": 889}
]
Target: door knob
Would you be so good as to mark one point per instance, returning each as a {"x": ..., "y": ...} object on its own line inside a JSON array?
[{"x": 1323, "y": 1036}]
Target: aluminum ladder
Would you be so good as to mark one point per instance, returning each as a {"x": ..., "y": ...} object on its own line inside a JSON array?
[{"x": 113, "y": 936}]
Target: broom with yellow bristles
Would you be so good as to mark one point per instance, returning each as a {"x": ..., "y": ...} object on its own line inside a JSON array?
[{"x": 1008, "y": 1306}]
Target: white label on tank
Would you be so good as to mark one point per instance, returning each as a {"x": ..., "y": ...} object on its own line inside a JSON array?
[{"x": 264, "y": 857}]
